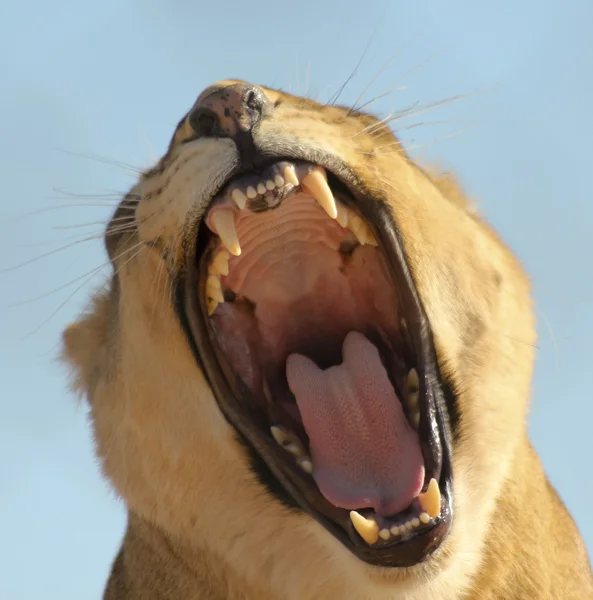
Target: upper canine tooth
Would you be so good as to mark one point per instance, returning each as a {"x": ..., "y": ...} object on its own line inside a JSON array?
[
  {"x": 239, "y": 198},
  {"x": 316, "y": 183},
  {"x": 366, "y": 528},
  {"x": 224, "y": 223},
  {"x": 290, "y": 175},
  {"x": 430, "y": 501}
]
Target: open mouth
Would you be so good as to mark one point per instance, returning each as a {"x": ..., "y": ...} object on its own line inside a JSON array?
[{"x": 306, "y": 321}]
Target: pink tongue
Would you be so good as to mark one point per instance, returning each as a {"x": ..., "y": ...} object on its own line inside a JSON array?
[{"x": 364, "y": 451}]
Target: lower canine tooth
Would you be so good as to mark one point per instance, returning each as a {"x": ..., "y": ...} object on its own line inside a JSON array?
[
  {"x": 224, "y": 224},
  {"x": 366, "y": 528},
  {"x": 430, "y": 501},
  {"x": 316, "y": 183}
]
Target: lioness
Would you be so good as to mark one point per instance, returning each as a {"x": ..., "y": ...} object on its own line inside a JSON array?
[{"x": 310, "y": 373}]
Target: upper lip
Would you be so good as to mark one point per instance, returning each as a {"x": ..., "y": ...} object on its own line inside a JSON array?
[{"x": 435, "y": 429}]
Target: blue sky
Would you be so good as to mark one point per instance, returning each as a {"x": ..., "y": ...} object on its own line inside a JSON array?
[{"x": 111, "y": 79}]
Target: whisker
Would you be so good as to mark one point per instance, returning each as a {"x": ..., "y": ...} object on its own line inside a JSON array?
[{"x": 107, "y": 161}]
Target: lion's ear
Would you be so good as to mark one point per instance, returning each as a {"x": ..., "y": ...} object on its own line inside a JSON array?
[{"x": 84, "y": 342}]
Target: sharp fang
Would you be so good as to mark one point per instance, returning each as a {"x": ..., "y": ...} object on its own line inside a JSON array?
[
  {"x": 384, "y": 534},
  {"x": 290, "y": 175},
  {"x": 316, "y": 183},
  {"x": 224, "y": 223},
  {"x": 366, "y": 528},
  {"x": 220, "y": 264},
  {"x": 430, "y": 501},
  {"x": 239, "y": 198},
  {"x": 305, "y": 464}
]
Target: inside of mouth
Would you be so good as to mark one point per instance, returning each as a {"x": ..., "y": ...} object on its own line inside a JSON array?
[{"x": 304, "y": 312}]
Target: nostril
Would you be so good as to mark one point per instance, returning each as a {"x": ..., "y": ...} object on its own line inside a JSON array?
[{"x": 205, "y": 122}]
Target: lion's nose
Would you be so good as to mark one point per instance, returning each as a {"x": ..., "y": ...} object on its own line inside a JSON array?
[{"x": 231, "y": 111}]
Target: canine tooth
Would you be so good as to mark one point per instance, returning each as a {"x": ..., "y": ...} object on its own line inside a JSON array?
[
  {"x": 424, "y": 518},
  {"x": 359, "y": 229},
  {"x": 384, "y": 534},
  {"x": 270, "y": 184},
  {"x": 278, "y": 181},
  {"x": 430, "y": 501},
  {"x": 239, "y": 198},
  {"x": 224, "y": 223},
  {"x": 342, "y": 217},
  {"x": 251, "y": 193},
  {"x": 316, "y": 183},
  {"x": 290, "y": 175},
  {"x": 213, "y": 288},
  {"x": 261, "y": 188},
  {"x": 366, "y": 528},
  {"x": 413, "y": 381},
  {"x": 305, "y": 464},
  {"x": 415, "y": 522},
  {"x": 220, "y": 263}
]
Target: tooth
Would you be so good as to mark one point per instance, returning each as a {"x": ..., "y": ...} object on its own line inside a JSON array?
[
  {"x": 280, "y": 435},
  {"x": 279, "y": 181},
  {"x": 359, "y": 229},
  {"x": 384, "y": 534},
  {"x": 251, "y": 193},
  {"x": 430, "y": 501},
  {"x": 261, "y": 188},
  {"x": 213, "y": 288},
  {"x": 342, "y": 217},
  {"x": 290, "y": 175},
  {"x": 366, "y": 528},
  {"x": 212, "y": 304},
  {"x": 415, "y": 522},
  {"x": 395, "y": 530},
  {"x": 413, "y": 381},
  {"x": 220, "y": 263},
  {"x": 415, "y": 418},
  {"x": 240, "y": 198},
  {"x": 316, "y": 183},
  {"x": 371, "y": 239},
  {"x": 224, "y": 224},
  {"x": 424, "y": 518},
  {"x": 305, "y": 464},
  {"x": 270, "y": 184}
]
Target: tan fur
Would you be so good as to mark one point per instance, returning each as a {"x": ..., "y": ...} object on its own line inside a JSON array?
[{"x": 200, "y": 524}]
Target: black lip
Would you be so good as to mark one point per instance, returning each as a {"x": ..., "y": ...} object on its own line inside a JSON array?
[{"x": 295, "y": 489}]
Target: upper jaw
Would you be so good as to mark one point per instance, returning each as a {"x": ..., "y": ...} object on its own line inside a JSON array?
[{"x": 380, "y": 229}]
